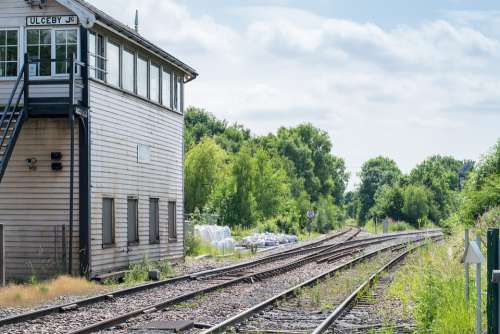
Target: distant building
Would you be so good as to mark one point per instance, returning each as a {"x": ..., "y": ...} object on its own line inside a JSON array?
[{"x": 123, "y": 103}]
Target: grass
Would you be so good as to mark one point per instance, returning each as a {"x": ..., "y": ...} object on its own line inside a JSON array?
[
  {"x": 379, "y": 228},
  {"x": 40, "y": 292},
  {"x": 431, "y": 287},
  {"x": 139, "y": 272}
]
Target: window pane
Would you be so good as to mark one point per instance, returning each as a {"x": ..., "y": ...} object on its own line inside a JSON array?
[
  {"x": 92, "y": 58},
  {"x": 128, "y": 71},
  {"x": 172, "y": 228},
  {"x": 166, "y": 89},
  {"x": 71, "y": 36},
  {"x": 107, "y": 221},
  {"x": 179, "y": 94},
  {"x": 3, "y": 53},
  {"x": 132, "y": 235},
  {"x": 101, "y": 64},
  {"x": 61, "y": 54},
  {"x": 2, "y": 69},
  {"x": 60, "y": 37},
  {"x": 11, "y": 37},
  {"x": 154, "y": 83},
  {"x": 33, "y": 37},
  {"x": 45, "y": 56},
  {"x": 154, "y": 221},
  {"x": 11, "y": 69},
  {"x": 113, "y": 64},
  {"x": 142, "y": 77},
  {"x": 45, "y": 37},
  {"x": 3, "y": 36},
  {"x": 11, "y": 53}
]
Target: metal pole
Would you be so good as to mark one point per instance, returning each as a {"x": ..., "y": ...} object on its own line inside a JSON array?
[
  {"x": 2, "y": 256},
  {"x": 478, "y": 289},
  {"x": 466, "y": 268},
  {"x": 72, "y": 161},
  {"x": 492, "y": 297}
]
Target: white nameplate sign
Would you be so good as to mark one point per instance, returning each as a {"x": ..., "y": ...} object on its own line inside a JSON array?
[{"x": 51, "y": 20}]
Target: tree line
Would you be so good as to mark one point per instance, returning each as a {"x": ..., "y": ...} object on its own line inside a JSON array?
[{"x": 270, "y": 182}]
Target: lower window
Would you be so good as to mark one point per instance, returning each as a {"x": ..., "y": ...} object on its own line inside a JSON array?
[{"x": 132, "y": 221}]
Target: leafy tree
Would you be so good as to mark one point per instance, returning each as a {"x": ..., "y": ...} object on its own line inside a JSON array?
[
  {"x": 328, "y": 215},
  {"x": 416, "y": 203},
  {"x": 389, "y": 203},
  {"x": 199, "y": 124},
  {"x": 374, "y": 174},
  {"x": 204, "y": 168}
]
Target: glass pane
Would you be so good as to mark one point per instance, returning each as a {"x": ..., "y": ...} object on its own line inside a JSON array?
[
  {"x": 33, "y": 37},
  {"x": 154, "y": 83},
  {"x": 132, "y": 220},
  {"x": 45, "y": 36},
  {"x": 2, "y": 69},
  {"x": 71, "y": 51},
  {"x": 166, "y": 86},
  {"x": 45, "y": 63},
  {"x": 60, "y": 37},
  {"x": 3, "y": 33},
  {"x": 71, "y": 36},
  {"x": 12, "y": 37},
  {"x": 11, "y": 69},
  {"x": 113, "y": 63},
  {"x": 33, "y": 51},
  {"x": 142, "y": 77},
  {"x": 107, "y": 221},
  {"x": 61, "y": 54},
  {"x": 128, "y": 71},
  {"x": 3, "y": 53},
  {"x": 101, "y": 64},
  {"x": 11, "y": 53}
]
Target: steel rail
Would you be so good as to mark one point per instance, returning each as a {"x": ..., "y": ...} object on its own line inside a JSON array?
[
  {"x": 126, "y": 291},
  {"x": 221, "y": 327},
  {"x": 326, "y": 324},
  {"x": 104, "y": 324}
]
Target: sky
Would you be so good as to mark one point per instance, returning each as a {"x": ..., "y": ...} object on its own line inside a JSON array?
[{"x": 399, "y": 78}]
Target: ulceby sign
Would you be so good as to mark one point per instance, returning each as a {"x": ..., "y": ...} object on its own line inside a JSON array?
[{"x": 51, "y": 20}]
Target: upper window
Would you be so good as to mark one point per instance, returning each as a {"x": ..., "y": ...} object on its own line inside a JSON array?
[
  {"x": 154, "y": 83},
  {"x": 9, "y": 42},
  {"x": 177, "y": 92},
  {"x": 113, "y": 64},
  {"x": 92, "y": 55},
  {"x": 66, "y": 48},
  {"x": 128, "y": 73},
  {"x": 142, "y": 77},
  {"x": 166, "y": 80},
  {"x": 39, "y": 46}
]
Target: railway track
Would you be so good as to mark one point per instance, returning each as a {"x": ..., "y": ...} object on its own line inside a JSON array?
[
  {"x": 295, "y": 251},
  {"x": 101, "y": 314},
  {"x": 312, "y": 306}
]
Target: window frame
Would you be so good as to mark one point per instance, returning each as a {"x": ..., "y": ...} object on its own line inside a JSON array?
[
  {"x": 164, "y": 70},
  {"x": 154, "y": 239},
  {"x": 172, "y": 233},
  {"x": 99, "y": 73},
  {"x": 113, "y": 223},
  {"x": 146, "y": 59},
  {"x": 20, "y": 38},
  {"x": 136, "y": 241},
  {"x": 53, "y": 30}
]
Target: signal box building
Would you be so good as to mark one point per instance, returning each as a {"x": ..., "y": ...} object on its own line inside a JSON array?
[{"x": 91, "y": 142}]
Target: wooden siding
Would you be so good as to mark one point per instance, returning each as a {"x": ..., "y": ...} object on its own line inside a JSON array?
[
  {"x": 13, "y": 14},
  {"x": 119, "y": 122},
  {"x": 35, "y": 203}
]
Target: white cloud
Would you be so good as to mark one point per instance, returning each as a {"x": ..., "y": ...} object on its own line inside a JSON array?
[{"x": 409, "y": 91}]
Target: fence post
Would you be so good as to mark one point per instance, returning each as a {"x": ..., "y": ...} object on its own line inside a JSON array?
[
  {"x": 2, "y": 256},
  {"x": 492, "y": 297},
  {"x": 466, "y": 267},
  {"x": 478, "y": 289}
]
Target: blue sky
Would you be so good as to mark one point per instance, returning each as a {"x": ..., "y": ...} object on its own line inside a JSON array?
[{"x": 405, "y": 79}]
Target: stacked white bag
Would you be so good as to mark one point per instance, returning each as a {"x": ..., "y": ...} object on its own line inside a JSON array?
[
  {"x": 267, "y": 239},
  {"x": 217, "y": 236}
]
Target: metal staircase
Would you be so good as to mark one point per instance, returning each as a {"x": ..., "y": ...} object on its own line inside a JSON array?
[{"x": 11, "y": 122}]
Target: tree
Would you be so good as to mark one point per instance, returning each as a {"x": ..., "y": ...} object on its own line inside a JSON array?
[
  {"x": 198, "y": 124},
  {"x": 374, "y": 174},
  {"x": 309, "y": 149},
  {"x": 204, "y": 168},
  {"x": 389, "y": 203},
  {"x": 416, "y": 203}
]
